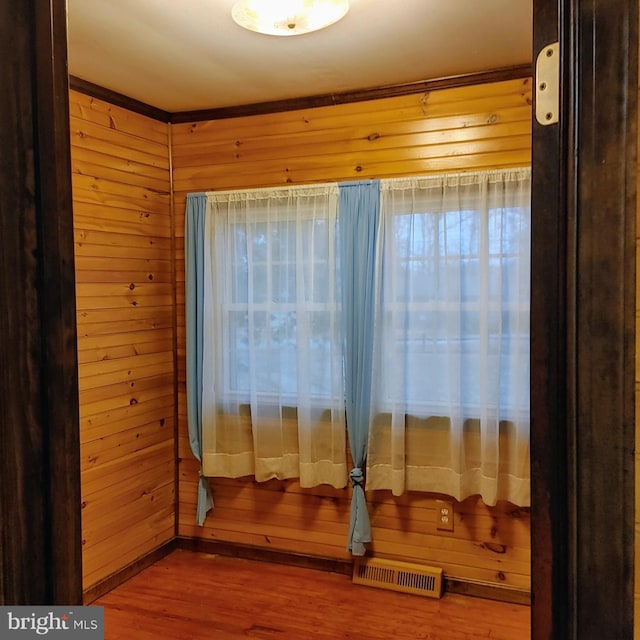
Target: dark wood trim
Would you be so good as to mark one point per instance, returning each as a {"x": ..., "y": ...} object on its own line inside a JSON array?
[
  {"x": 174, "y": 337},
  {"x": 118, "y": 99},
  {"x": 266, "y": 555},
  {"x": 334, "y": 565},
  {"x": 40, "y": 522},
  {"x": 583, "y": 326},
  {"x": 326, "y": 100},
  {"x": 487, "y": 591},
  {"x": 606, "y": 65},
  {"x": 124, "y": 574},
  {"x": 293, "y": 104},
  {"x": 57, "y": 302},
  {"x": 549, "y": 374}
]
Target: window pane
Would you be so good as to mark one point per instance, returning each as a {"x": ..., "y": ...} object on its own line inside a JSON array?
[
  {"x": 278, "y": 290},
  {"x": 454, "y": 305}
]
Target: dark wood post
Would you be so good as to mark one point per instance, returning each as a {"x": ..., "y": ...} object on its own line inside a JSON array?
[
  {"x": 40, "y": 544},
  {"x": 583, "y": 325}
]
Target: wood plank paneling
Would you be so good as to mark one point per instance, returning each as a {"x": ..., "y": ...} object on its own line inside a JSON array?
[
  {"x": 469, "y": 128},
  {"x": 125, "y": 315},
  {"x": 636, "y": 608}
]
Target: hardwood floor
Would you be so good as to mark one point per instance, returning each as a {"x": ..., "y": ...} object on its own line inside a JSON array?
[{"x": 195, "y": 596}]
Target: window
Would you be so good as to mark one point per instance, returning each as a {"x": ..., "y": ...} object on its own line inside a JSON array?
[
  {"x": 452, "y": 290},
  {"x": 449, "y": 375},
  {"x": 272, "y": 344},
  {"x": 452, "y": 340},
  {"x": 280, "y": 277}
]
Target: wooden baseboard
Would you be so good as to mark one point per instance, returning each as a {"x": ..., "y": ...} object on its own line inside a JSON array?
[
  {"x": 320, "y": 563},
  {"x": 478, "y": 590},
  {"x": 266, "y": 555},
  {"x": 115, "y": 579},
  {"x": 487, "y": 591}
]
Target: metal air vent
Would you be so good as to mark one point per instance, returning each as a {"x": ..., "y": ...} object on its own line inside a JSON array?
[{"x": 398, "y": 576}]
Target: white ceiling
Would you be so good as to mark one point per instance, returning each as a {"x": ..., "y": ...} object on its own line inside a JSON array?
[{"x": 181, "y": 55}]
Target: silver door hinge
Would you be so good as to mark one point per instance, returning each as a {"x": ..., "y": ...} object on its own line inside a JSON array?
[{"x": 548, "y": 85}]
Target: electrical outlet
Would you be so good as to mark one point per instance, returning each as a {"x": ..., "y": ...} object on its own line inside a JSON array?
[{"x": 444, "y": 515}]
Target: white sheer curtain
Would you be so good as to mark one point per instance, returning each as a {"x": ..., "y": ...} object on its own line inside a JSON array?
[
  {"x": 451, "y": 363},
  {"x": 273, "y": 400}
]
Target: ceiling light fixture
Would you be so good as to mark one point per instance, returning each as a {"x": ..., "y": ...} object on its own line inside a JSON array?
[{"x": 288, "y": 17}]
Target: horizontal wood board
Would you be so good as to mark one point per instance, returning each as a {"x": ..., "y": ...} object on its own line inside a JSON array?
[
  {"x": 459, "y": 129},
  {"x": 125, "y": 314}
]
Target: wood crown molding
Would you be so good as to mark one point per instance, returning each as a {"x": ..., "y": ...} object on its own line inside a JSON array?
[
  {"x": 294, "y": 104},
  {"x": 118, "y": 99}
]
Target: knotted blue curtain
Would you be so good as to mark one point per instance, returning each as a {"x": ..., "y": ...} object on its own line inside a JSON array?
[
  {"x": 194, "y": 271},
  {"x": 359, "y": 213}
]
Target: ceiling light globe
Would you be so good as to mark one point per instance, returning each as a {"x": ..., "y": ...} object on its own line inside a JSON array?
[{"x": 288, "y": 17}]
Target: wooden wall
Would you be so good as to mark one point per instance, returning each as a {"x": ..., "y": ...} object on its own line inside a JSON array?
[
  {"x": 636, "y": 608},
  {"x": 484, "y": 126},
  {"x": 125, "y": 312}
]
